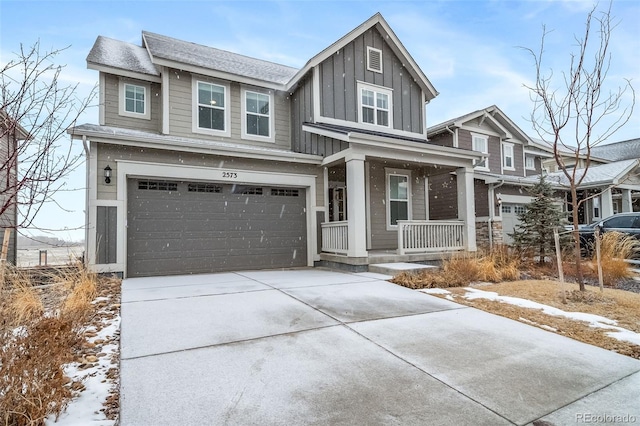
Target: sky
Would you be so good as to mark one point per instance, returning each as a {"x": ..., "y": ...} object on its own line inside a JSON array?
[{"x": 471, "y": 51}]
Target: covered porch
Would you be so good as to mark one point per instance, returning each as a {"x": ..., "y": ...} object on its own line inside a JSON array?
[{"x": 379, "y": 206}]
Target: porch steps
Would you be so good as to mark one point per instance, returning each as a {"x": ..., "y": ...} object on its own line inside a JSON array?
[{"x": 394, "y": 269}]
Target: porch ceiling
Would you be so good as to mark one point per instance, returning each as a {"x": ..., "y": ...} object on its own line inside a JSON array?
[{"x": 368, "y": 146}]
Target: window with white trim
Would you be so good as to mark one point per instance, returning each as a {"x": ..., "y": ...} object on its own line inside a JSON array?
[
  {"x": 507, "y": 156},
  {"x": 374, "y": 59},
  {"x": 374, "y": 105},
  {"x": 211, "y": 109},
  {"x": 134, "y": 100},
  {"x": 257, "y": 111},
  {"x": 480, "y": 143},
  {"x": 398, "y": 197},
  {"x": 530, "y": 162}
]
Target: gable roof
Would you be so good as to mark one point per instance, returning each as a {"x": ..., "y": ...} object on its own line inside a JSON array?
[
  {"x": 604, "y": 174},
  {"x": 167, "y": 51},
  {"x": 10, "y": 124},
  {"x": 624, "y": 150},
  {"x": 107, "y": 52},
  {"x": 499, "y": 119},
  {"x": 160, "y": 50},
  {"x": 392, "y": 40}
]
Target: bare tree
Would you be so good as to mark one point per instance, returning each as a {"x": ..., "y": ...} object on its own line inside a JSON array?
[
  {"x": 36, "y": 108},
  {"x": 576, "y": 112}
]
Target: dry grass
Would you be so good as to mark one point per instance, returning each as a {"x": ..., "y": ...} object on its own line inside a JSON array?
[
  {"x": 461, "y": 269},
  {"x": 618, "y": 305},
  {"x": 614, "y": 248},
  {"x": 37, "y": 341}
]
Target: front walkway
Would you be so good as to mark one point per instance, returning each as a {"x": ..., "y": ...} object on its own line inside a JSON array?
[{"x": 319, "y": 347}]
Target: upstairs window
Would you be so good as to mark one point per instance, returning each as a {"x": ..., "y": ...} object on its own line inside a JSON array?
[
  {"x": 529, "y": 162},
  {"x": 374, "y": 59},
  {"x": 507, "y": 156},
  {"x": 211, "y": 109},
  {"x": 375, "y": 105},
  {"x": 134, "y": 100},
  {"x": 258, "y": 116},
  {"x": 480, "y": 143}
]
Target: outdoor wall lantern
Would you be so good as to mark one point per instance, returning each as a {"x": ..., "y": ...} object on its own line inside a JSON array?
[{"x": 107, "y": 175}]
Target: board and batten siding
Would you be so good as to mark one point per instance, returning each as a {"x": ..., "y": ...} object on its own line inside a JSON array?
[
  {"x": 340, "y": 73},
  {"x": 108, "y": 154},
  {"x": 9, "y": 216},
  {"x": 381, "y": 238},
  {"x": 302, "y": 112},
  {"x": 181, "y": 106},
  {"x": 112, "y": 115}
]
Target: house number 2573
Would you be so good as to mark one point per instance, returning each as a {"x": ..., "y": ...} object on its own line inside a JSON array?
[{"x": 230, "y": 175}]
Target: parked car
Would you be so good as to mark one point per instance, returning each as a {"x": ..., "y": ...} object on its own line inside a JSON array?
[{"x": 628, "y": 223}]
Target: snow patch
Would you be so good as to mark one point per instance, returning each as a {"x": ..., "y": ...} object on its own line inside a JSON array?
[
  {"x": 595, "y": 321},
  {"x": 435, "y": 291}
]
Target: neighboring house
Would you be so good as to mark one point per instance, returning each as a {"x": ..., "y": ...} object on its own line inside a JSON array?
[
  {"x": 205, "y": 160},
  {"x": 499, "y": 179},
  {"x": 514, "y": 162},
  {"x": 10, "y": 133},
  {"x": 612, "y": 181}
]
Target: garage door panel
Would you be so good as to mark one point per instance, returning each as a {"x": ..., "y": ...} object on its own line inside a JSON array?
[{"x": 182, "y": 231}]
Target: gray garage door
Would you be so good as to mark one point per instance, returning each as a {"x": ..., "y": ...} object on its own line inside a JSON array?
[
  {"x": 510, "y": 220},
  {"x": 193, "y": 227}
]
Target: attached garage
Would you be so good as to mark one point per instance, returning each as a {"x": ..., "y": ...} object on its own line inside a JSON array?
[
  {"x": 510, "y": 220},
  {"x": 178, "y": 227}
]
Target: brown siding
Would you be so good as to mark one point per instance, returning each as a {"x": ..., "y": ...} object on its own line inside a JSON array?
[
  {"x": 340, "y": 72},
  {"x": 442, "y": 139},
  {"x": 538, "y": 165},
  {"x": 443, "y": 198},
  {"x": 112, "y": 115},
  {"x": 481, "y": 195}
]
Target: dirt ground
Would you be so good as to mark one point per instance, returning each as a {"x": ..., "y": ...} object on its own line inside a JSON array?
[{"x": 619, "y": 305}]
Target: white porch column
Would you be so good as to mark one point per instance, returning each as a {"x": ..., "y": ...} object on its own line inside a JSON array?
[
  {"x": 606, "y": 203},
  {"x": 466, "y": 206},
  {"x": 627, "y": 204},
  {"x": 356, "y": 206}
]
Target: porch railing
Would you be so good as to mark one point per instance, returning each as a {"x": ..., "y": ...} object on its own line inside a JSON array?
[
  {"x": 421, "y": 236},
  {"x": 335, "y": 237}
]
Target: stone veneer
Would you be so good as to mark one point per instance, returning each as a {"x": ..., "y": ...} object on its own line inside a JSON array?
[{"x": 482, "y": 233}]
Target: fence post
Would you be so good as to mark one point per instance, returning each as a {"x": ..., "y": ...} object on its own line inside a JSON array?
[
  {"x": 556, "y": 238},
  {"x": 598, "y": 260}
]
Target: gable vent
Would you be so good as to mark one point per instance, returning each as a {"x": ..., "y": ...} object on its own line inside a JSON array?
[{"x": 374, "y": 59}]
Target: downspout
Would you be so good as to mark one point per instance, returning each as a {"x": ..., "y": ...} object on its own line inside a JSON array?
[
  {"x": 492, "y": 213},
  {"x": 86, "y": 198},
  {"x": 455, "y": 136}
]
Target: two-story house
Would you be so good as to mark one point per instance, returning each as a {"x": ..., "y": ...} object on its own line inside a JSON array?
[
  {"x": 611, "y": 183},
  {"x": 11, "y": 133},
  {"x": 205, "y": 160},
  {"x": 500, "y": 179}
]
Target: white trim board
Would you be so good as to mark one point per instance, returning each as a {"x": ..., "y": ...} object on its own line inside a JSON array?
[{"x": 132, "y": 169}]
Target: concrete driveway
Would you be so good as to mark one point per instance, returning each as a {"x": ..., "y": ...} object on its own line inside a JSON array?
[{"x": 321, "y": 347}]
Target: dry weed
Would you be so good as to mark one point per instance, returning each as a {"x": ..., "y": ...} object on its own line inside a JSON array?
[
  {"x": 37, "y": 340},
  {"x": 462, "y": 269},
  {"x": 615, "y": 247}
]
